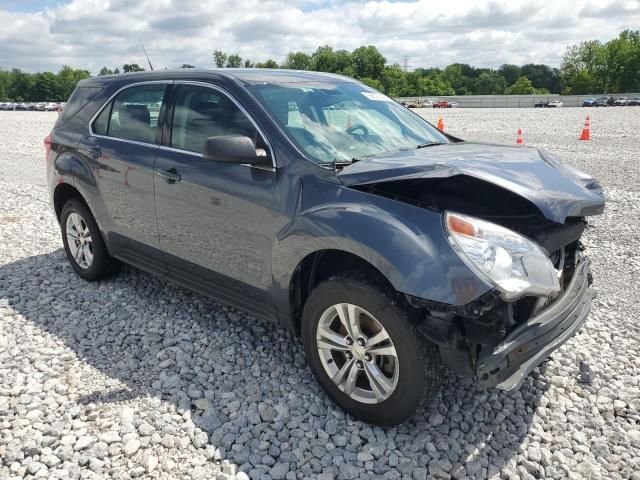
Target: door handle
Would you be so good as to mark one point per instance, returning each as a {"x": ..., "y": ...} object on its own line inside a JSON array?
[{"x": 170, "y": 175}]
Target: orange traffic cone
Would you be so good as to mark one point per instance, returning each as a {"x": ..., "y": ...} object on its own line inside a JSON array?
[
  {"x": 440, "y": 124},
  {"x": 519, "y": 140},
  {"x": 586, "y": 134}
]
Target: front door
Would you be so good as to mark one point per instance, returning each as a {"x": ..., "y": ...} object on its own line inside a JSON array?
[{"x": 216, "y": 221}]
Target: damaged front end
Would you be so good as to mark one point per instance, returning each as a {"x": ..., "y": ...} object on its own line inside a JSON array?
[
  {"x": 500, "y": 342},
  {"x": 540, "y": 295},
  {"x": 516, "y": 219}
]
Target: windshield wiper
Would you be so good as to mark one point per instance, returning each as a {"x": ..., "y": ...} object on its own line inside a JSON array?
[{"x": 429, "y": 144}]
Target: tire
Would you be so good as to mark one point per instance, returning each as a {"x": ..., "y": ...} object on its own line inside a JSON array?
[
  {"x": 415, "y": 371},
  {"x": 99, "y": 264}
]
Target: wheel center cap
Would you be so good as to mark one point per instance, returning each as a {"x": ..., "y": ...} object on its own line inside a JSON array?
[{"x": 358, "y": 351}]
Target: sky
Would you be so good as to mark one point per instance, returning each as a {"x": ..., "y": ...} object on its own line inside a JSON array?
[{"x": 38, "y": 35}]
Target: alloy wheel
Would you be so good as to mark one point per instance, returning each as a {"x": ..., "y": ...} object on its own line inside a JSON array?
[
  {"x": 79, "y": 240},
  {"x": 357, "y": 353}
]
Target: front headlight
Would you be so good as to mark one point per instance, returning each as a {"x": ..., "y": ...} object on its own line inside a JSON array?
[{"x": 511, "y": 262}]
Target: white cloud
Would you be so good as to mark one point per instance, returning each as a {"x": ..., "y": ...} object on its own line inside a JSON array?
[{"x": 93, "y": 33}]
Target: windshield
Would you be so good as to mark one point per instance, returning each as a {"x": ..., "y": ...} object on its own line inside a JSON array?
[{"x": 343, "y": 121}]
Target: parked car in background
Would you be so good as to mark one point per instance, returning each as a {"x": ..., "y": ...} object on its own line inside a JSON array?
[
  {"x": 21, "y": 106},
  {"x": 52, "y": 107},
  {"x": 554, "y": 104},
  {"x": 453, "y": 104},
  {"x": 441, "y": 104},
  {"x": 541, "y": 104},
  {"x": 411, "y": 104},
  {"x": 589, "y": 102},
  {"x": 620, "y": 102},
  {"x": 635, "y": 101},
  {"x": 389, "y": 247},
  {"x": 428, "y": 103},
  {"x": 602, "y": 102}
]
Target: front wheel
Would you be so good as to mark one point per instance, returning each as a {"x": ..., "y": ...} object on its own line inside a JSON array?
[{"x": 366, "y": 353}]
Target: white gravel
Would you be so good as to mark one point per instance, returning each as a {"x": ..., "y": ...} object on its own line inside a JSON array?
[{"x": 135, "y": 377}]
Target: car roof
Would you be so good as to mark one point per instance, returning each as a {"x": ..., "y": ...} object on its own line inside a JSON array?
[{"x": 245, "y": 75}]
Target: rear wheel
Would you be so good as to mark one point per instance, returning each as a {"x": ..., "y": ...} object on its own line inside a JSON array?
[
  {"x": 366, "y": 353},
  {"x": 83, "y": 242}
]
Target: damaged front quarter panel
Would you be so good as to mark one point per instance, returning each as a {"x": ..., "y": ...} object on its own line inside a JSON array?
[{"x": 526, "y": 190}]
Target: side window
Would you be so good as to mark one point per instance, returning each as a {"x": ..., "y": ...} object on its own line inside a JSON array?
[
  {"x": 101, "y": 124},
  {"x": 201, "y": 113},
  {"x": 133, "y": 114}
]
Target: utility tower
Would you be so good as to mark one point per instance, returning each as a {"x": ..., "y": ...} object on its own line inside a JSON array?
[{"x": 405, "y": 63}]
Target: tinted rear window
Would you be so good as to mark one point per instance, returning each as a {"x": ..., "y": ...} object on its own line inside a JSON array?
[{"x": 80, "y": 97}]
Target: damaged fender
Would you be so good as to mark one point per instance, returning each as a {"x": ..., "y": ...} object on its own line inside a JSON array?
[{"x": 407, "y": 244}]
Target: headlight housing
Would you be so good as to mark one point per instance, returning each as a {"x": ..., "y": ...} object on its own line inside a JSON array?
[{"x": 507, "y": 260}]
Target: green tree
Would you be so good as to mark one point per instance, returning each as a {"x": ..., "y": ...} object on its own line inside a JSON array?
[
  {"x": 105, "y": 71},
  {"x": 542, "y": 76},
  {"x": 220, "y": 58},
  {"x": 297, "y": 61},
  {"x": 393, "y": 80},
  {"x": 584, "y": 83},
  {"x": 248, "y": 63},
  {"x": 234, "y": 61},
  {"x": 523, "y": 86},
  {"x": 268, "y": 64},
  {"x": 343, "y": 63},
  {"x": 490, "y": 84},
  {"x": 510, "y": 72},
  {"x": 67, "y": 78},
  {"x": 622, "y": 63},
  {"x": 368, "y": 62},
  {"x": 373, "y": 83},
  {"x": 45, "y": 87},
  {"x": 457, "y": 76},
  {"x": 21, "y": 85},
  {"x": 588, "y": 58},
  {"x": 323, "y": 59},
  {"x": 132, "y": 67}
]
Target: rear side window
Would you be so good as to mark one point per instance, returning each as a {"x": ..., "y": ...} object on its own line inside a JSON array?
[
  {"x": 101, "y": 124},
  {"x": 132, "y": 115},
  {"x": 201, "y": 113},
  {"x": 80, "y": 97}
]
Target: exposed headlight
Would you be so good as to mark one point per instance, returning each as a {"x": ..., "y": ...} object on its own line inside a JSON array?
[{"x": 511, "y": 262}]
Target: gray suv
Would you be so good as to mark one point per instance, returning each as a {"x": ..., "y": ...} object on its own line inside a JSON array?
[{"x": 392, "y": 249}]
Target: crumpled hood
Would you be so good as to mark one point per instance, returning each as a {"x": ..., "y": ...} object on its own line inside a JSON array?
[{"x": 556, "y": 188}]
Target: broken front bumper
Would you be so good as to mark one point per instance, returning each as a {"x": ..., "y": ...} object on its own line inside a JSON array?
[{"x": 506, "y": 366}]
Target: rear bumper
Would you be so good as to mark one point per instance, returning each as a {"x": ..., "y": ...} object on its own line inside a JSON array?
[{"x": 507, "y": 365}]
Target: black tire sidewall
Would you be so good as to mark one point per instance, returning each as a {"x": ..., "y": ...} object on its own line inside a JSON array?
[
  {"x": 101, "y": 265},
  {"x": 407, "y": 397}
]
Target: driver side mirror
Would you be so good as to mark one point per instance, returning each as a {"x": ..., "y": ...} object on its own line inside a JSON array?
[{"x": 235, "y": 149}]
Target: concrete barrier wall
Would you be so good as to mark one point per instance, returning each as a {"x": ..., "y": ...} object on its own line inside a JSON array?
[{"x": 513, "y": 101}]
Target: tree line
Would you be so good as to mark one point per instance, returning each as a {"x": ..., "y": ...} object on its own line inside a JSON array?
[{"x": 587, "y": 68}]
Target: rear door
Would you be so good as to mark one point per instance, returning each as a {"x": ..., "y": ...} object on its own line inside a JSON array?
[
  {"x": 217, "y": 221},
  {"x": 122, "y": 147}
]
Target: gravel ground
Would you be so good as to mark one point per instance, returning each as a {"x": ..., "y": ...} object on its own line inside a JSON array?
[{"x": 135, "y": 377}]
